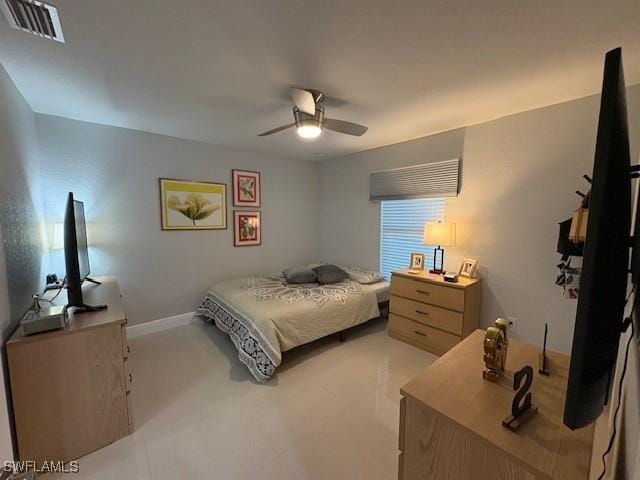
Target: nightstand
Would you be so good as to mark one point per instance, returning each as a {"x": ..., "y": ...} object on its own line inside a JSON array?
[{"x": 432, "y": 314}]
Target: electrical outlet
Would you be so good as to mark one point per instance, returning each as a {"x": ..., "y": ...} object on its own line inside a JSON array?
[{"x": 513, "y": 323}]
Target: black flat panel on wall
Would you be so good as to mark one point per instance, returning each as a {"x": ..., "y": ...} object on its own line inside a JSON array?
[{"x": 603, "y": 284}]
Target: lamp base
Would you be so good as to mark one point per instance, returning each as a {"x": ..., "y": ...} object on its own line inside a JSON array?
[{"x": 435, "y": 269}]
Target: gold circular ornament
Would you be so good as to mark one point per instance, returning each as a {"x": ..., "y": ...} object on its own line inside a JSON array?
[{"x": 495, "y": 350}]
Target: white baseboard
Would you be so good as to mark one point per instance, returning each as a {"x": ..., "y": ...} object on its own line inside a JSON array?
[{"x": 153, "y": 326}]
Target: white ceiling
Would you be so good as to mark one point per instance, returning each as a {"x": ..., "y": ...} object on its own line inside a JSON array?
[{"x": 219, "y": 71}]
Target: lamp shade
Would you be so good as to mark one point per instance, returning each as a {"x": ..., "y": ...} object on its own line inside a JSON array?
[{"x": 439, "y": 233}]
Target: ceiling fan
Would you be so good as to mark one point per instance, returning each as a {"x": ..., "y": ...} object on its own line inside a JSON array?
[{"x": 308, "y": 114}]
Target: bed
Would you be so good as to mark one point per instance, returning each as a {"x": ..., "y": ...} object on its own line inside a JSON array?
[{"x": 265, "y": 316}]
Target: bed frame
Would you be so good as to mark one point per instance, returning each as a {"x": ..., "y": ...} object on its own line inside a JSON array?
[{"x": 384, "y": 311}]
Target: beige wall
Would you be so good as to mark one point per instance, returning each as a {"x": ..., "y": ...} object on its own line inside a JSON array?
[
  {"x": 115, "y": 172},
  {"x": 21, "y": 247},
  {"x": 518, "y": 178}
]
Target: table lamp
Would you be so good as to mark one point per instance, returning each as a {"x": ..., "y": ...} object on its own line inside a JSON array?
[{"x": 440, "y": 234}]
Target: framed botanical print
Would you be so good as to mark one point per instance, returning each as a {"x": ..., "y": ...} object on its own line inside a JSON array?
[
  {"x": 246, "y": 188},
  {"x": 193, "y": 205},
  {"x": 246, "y": 228}
]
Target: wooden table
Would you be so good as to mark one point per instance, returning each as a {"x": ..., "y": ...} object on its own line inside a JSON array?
[
  {"x": 71, "y": 387},
  {"x": 450, "y": 421}
]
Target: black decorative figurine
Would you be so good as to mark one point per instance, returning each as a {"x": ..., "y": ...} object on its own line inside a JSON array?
[{"x": 521, "y": 409}]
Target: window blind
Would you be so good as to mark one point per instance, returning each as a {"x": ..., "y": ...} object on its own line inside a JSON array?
[
  {"x": 401, "y": 228},
  {"x": 431, "y": 180}
]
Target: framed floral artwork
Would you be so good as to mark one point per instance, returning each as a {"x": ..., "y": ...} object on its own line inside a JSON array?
[
  {"x": 193, "y": 205},
  {"x": 246, "y": 228},
  {"x": 246, "y": 188}
]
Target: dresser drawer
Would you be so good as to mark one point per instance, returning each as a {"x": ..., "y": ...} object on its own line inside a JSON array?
[
  {"x": 426, "y": 314},
  {"x": 448, "y": 297},
  {"x": 420, "y": 335}
]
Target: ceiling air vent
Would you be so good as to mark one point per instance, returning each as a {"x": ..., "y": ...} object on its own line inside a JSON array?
[{"x": 33, "y": 17}]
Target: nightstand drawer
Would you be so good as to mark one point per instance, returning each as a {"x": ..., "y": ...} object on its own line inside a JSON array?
[
  {"x": 420, "y": 335},
  {"x": 426, "y": 314},
  {"x": 448, "y": 297}
]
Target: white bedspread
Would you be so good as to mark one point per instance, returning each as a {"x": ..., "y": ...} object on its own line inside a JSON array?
[{"x": 265, "y": 316}]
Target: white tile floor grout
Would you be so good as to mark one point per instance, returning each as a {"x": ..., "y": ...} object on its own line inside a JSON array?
[{"x": 331, "y": 412}]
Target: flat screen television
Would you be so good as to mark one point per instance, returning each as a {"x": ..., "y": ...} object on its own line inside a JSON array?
[
  {"x": 605, "y": 267},
  {"x": 76, "y": 256}
]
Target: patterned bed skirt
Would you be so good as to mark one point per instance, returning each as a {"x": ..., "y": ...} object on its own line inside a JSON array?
[
  {"x": 254, "y": 351},
  {"x": 251, "y": 351}
]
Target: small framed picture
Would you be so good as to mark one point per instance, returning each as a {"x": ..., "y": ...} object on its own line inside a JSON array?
[
  {"x": 246, "y": 188},
  {"x": 468, "y": 267},
  {"x": 246, "y": 228},
  {"x": 417, "y": 262}
]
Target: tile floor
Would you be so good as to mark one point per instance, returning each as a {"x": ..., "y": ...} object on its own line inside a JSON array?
[{"x": 331, "y": 412}]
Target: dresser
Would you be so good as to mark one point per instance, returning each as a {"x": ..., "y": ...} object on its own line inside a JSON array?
[
  {"x": 71, "y": 388},
  {"x": 451, "y": 421},
  {"x": 430, "y": 313}
]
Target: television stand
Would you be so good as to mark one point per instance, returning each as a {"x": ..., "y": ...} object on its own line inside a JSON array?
[
  {"x": 60, "y": 378},
  {"x": 89, "y": 279}
]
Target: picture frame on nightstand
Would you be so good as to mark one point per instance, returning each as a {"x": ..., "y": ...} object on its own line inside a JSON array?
[
  {"x": 468, "y": 268},
  {"x": 417, "y": 263}
]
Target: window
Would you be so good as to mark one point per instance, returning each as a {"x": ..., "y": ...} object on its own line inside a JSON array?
[{"x": 401, "y": 227}]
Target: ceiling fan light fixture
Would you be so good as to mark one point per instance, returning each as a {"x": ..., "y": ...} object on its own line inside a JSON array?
[
  {"x": 308, "y": 116},
  {"x": 308, "y": 129}
]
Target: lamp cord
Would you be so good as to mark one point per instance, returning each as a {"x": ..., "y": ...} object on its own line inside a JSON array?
[{"x": 620, "y": 385}]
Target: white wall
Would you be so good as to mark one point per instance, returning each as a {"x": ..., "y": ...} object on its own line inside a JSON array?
[
  {"x": 518, "y": 178},
  {"x": 21, "y": 241},
  {"x": 115, "y": 172},
  {"x": 518, "y": 182}
]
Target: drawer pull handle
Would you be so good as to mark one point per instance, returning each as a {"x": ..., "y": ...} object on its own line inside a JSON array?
[
  {"x": 128, "y": 349},
  {"x": 422, "y": 291},
  {"x": 420, "y": 333},
  {"x": 422, "y": 313},
  {"x": 130, "y": 378}
]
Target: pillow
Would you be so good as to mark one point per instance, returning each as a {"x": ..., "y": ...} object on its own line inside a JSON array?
[
  {"x": 328, "y": 274},
  {"x": 360, "y": 275},
  {"x": 299, "y": 274}
]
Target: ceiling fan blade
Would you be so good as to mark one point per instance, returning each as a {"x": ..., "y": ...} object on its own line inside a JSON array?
[
  {"x": 303, "y": 99},
  {"x": 276, "y": 130},
  {"x": 341, "y": 126}
]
